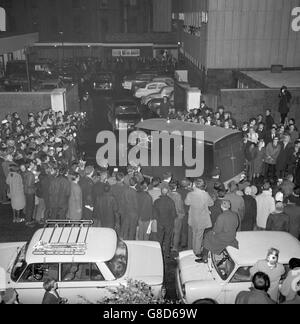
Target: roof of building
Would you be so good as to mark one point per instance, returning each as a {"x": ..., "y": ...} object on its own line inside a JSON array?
[
  {"x": 291, "y": 79},
  {"x": 97, "y": 244},
  {"x": 254, "y": 246},
  {"x": 212, "y": 134}
]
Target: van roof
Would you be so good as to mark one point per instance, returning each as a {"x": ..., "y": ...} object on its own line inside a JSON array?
[
  {"x": 100, "y": 245},
  {"x": 213, "y": 134},
  {"x": 254, "y": 246}
]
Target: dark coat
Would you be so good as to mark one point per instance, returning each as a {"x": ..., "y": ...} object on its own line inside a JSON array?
[
  {"x": 165, "y": 211},
  {"x": 130, "y": 199},
  {"x": 118, "y": 191},
  {"x": 29, "y": 183},
  {"x": 293, "y": 211},
  {"x": 250, "y": 213},
  {"x": 253, "y": 297},
  {"x": 59, "y": 193},
  {"x": 50, "y": 299},
  {"x": 278, "y": 222},
  {"x": 86, "y": 185},
  {"x": 145, "y": 206},
  {"x": 106, "y": 209},
  {"x": 284, "y": 156},
  {"x": 215, "y": 211},
  {"x": 97, "y": 191},
  {"x": 44, "y": 188},
  {"x": 223, "y": 233},
  {"x": 284, "y": 103},
  {"x": 269, "y": 122}
]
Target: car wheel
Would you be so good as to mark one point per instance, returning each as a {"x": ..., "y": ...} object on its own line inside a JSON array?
[{"x": 205, "y": 302}]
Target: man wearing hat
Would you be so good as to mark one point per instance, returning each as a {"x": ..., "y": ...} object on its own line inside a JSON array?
[
  {"x": 223, "y": 233},
  {"x": 199, "y": 202}
]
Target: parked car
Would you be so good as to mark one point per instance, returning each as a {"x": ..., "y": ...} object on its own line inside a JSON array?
[
  {"x": 124, "y": 114},
  {"x": 103, "y": 81},
  {"x": 227, "y": 274},
  {"x": 169, "y": 81},
  {"x": 50, "y": 85},
  {"x": 149, "y": 88},
  {"x": 86, "y": 262},
  {"x": 164, "y": 92},
  {"x": 140, "y": 78}
]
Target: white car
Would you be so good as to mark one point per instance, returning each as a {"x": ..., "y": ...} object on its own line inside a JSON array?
[
  {"x": 169, "y": 81},
  {"x": 86, "y": 262},
  {"x": 149, "y": 88},
  {"x": 225, "y": 275},
  {"x": 164, "y": 92}
]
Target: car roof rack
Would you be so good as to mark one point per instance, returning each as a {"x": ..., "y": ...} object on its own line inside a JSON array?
[{"x": 47, "y": 246}]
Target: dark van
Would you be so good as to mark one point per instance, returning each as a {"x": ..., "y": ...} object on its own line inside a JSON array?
[{"x": 222, "y": 148}]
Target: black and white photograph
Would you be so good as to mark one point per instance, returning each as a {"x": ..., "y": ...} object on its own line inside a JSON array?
[{"x": 149, "y": 155}]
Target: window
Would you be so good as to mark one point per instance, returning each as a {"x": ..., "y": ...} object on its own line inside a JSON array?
[
  {"x": 20, "y": 264},
  {"x": 242, "y": 275},
  {"x": 118, "y": 264},
  {"x": 80, "y": 272},
  {"x": 223, "y": 264},
  {"x": 152, "y": 87},
  {"x": 39, "y": 272}
]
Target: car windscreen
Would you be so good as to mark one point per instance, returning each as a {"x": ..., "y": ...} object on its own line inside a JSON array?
[
  {"x": 20, "y": 264},
  {"x": 118, "y": 264}
]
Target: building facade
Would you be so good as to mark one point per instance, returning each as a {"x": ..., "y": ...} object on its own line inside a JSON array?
[
  {"x": 86, "y": 20},
  {"x": 221, "y": 36}
]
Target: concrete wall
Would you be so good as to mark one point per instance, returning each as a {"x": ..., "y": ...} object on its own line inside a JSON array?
[
  {"x": 247, "y": 103},
  {"x": 26, "y": 102},
  {"x": 72, "y": 99},
  {"x": 23, "y": 103}
]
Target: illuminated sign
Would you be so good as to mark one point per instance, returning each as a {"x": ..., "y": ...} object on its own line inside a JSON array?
[
  {"x": 296, "y": 20},
  {"x": 126, "y": 52}
]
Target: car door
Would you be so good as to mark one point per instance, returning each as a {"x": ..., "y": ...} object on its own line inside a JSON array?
[
  {"x": 30, "y": 285},
  {"x": 82, "y": 283},
  {"x": 240, "y": 281}
]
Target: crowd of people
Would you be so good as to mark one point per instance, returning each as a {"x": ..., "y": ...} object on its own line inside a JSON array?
[{"x": 44, "y": 177}]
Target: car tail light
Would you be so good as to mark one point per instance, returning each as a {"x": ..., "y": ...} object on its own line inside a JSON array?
[{"x": 117, "y": 122}]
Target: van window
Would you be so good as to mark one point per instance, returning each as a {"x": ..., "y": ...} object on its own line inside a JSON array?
[
  {"x": 39, "y": 272},
  {"x": 118, "y": 264},
  {"x": 80, "y": 272}
]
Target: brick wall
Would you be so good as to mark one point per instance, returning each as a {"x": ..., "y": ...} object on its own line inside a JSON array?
[
  {"x": 248, "y": 103},
  {"x": 23, "y": 103}
]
